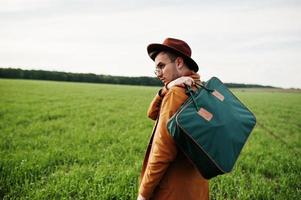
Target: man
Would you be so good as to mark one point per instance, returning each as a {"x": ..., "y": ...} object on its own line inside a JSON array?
[{"x": 167, "y": 173}]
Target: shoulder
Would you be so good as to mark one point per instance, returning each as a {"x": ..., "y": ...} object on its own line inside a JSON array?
[
  {"x": 175, "y": 95},
  {"x": 172, "y": 101},
  {"x": 176, "y": 91}
]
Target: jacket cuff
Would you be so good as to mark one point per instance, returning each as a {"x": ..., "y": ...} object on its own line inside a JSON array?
[
  {"x": 163, "y": 91},
  {"x": 144, "y": 192}
]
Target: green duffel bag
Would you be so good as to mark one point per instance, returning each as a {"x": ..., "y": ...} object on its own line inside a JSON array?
[{"x": 211, "y": 128}]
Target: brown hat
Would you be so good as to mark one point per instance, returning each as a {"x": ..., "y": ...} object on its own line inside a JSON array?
[{"x": 176, "y": 46}]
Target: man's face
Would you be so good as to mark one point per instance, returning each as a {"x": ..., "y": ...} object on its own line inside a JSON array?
[{"x": 167, "y": 70}]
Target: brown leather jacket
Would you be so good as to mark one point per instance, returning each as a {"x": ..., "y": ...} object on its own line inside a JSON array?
[{"x": 167, "y": 173}]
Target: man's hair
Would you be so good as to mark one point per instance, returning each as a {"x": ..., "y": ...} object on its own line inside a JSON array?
[{"x": 171, "y": 56}]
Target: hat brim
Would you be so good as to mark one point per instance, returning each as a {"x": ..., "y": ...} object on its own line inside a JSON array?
[{"x": 154, "y": 49}]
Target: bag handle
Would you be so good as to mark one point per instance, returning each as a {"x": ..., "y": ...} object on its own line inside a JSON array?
[
  {"x": 204, "y": 87},
  {"x": 190, "y": 91}
]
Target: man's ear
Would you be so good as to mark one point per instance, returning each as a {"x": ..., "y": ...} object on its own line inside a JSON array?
[{"x": 179, "y": 62}]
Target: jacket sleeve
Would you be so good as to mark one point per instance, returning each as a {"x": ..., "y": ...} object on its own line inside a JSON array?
[
  {"x": 164, "y": 149},
  {"x": 154, "y": 107}
]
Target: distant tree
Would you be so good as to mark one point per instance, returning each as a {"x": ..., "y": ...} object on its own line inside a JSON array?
[{"x": 93, "y": 78}]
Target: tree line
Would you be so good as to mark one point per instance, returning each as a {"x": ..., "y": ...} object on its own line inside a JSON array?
[
  {"x": 76, "y": 77},
  {"x": 17, "y": 73}
]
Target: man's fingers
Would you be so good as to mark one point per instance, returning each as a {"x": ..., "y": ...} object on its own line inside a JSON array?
[
  {"x": 182, "y": 81},
  {"x": 189, "y": 82}
]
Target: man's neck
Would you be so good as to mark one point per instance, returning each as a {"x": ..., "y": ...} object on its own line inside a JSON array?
[{"x": 186, "y": 73}]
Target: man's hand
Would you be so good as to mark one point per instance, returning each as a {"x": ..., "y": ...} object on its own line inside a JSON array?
[
  {"x": 140, "y": 197},
  {"x": 182, "y": 81}
]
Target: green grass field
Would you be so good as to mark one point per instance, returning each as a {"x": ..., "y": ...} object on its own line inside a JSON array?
[{"x": 63, "y": 140}]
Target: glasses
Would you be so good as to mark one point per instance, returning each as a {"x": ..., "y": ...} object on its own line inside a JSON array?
[{"x": 160, "y": 67}]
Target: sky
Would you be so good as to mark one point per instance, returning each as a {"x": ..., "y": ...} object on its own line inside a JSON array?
[{"x": 250, "y": 41}]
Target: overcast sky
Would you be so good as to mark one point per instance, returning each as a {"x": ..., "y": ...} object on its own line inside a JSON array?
[{"x": 250, "y": 41}]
